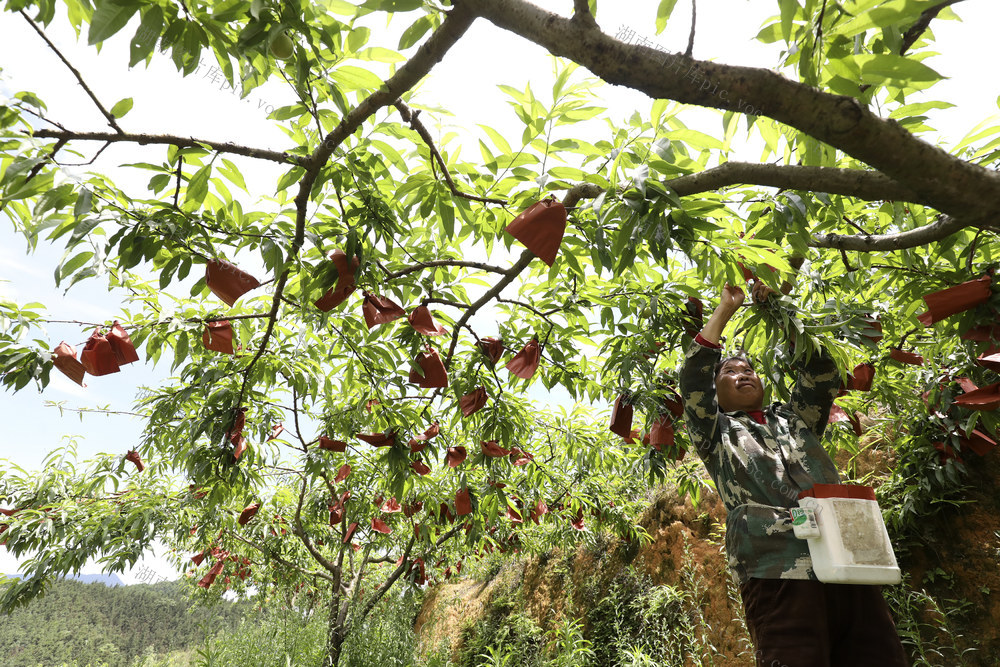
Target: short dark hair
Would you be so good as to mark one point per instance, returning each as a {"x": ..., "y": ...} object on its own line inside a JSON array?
[{"x": 739, "y": 357}]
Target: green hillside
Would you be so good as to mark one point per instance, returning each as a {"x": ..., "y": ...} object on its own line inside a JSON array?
[{"x": 93, "y": 624}]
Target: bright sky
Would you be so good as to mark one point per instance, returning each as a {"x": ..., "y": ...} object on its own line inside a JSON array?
[{"x": 465, "y": 84}]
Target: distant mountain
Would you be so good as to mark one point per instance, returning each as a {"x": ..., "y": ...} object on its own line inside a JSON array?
[
  {"x": 106, "y": 579},
  {"x": 80, "y": 623}
]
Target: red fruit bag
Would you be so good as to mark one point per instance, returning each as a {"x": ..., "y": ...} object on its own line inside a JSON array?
[
  {"x": 227, "y": 282},
  {"x": 98, "y": 357},
  {"x": 380, "y": 310},
  {"x": 345, "y": 284},
  {"x": 491, "y": 347},
  {"x": 121, "y": 345},
  {"x": 64, "y": 358},
  {"x": 218, "y": 336},
  {"x": 947, "y": 302},
  {"x": 455, "y": 456},
  {"x": 421, "y": 320},
  {"x": 434, "y": 373},
  {"x": 540, "y": 228},
  {"x": 525, "y": 363},
  {"x": 473, "y": 401},
  {"x": 463, "y": 502},
  {"x": 133, "y": 456},
  {"x": 621, "y": 418}
]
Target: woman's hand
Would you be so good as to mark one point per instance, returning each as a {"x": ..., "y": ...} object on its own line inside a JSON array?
[
  {"x": 732, "y": 298},
  {"x": 761, "y": 292},
  {"x": 729, "y": 302}
]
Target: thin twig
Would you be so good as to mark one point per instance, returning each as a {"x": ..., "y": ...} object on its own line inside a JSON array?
[
  {"x": 444, "y": 262},
  {"x": 76, "y": 73},
  {"x": 88, "y": 162},
  {"x": 177, "y": 190},
  {"x": 917, "y": 29},
  {"x": 847, "y": 264},
  {"x": 411, "y": 118},
  {"x": 52, "y": 156},
  {"x": 171, "y": 140},
  {"x": 694, "y": 20},
  {"x": 270, "y": 554},
  {"x": 528, "y": 306}
]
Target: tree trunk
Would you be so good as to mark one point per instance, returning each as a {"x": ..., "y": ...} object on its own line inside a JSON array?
[
  {"x": 334, "y": 643},
  {"x": 337, "y": 630}
]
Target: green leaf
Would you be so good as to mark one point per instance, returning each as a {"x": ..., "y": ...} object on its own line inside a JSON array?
[
  {"x": 30, "y": 98},
  {"x": 415, "y": 31},
  {"x": 695, "y": 139},
  {"x": 497, "y": 139},
  {"x": 83, "y": 203},
  {"x": 272, "y": 254},
  {"x": 663, "y": 14},
  {"x": 291, "y": 176},
  {"x": 121, "y": 107},
  {"x": 901, "y": 13},
  {"x": 180, "y": 350},
  {"x": 197, "y": 187},
  {"x": 394, "y": 5},
  {"x": 789, "y": 9},
  {"x": 380, "y": 54},
  {"x": 109, "y": 18},
  {"x": 81, "y": 229},
  {"x": 72, "y": 265},
  {"x": 358, "y": 38},
  {"x": 341, "y": 7},
  {"x": 447, "y": 214},
  {"x": 355, "y": 78},
  {"x": 146, "y": 36},
  {"x": 908, "y": 110},
  {"x": 894, "y": 69}
]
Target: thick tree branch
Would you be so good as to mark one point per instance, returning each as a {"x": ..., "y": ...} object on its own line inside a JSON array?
[
  {"x": 304, "y": 536},
  {"x": 936, "y": 231},
  {"x": 168, "y": 140},
  {"x": 387, "y": 584},
  {"x": 867, "y": 185},
  {"x": 840, "y": 121}
]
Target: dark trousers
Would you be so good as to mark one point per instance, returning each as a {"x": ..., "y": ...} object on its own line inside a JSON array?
[{"x": 801, "y": 623}]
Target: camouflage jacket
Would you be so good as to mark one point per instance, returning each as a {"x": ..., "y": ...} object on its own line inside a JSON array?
[{"x": 759, "y": 469}]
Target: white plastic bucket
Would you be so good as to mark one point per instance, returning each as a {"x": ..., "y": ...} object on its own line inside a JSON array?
[{"x": 847, "y": 538}]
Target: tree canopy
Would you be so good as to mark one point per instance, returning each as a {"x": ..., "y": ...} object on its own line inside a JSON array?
[{"x": 353, "y": 354}]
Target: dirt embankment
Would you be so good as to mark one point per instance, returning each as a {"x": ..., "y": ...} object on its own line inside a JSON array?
[{"x": 954, "y": 564}]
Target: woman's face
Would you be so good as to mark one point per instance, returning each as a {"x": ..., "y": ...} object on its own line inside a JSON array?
[{"x": 738, "y": 387}]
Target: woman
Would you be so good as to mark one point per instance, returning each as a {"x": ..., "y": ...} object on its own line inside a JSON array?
[{"x": 760, "y": 460}]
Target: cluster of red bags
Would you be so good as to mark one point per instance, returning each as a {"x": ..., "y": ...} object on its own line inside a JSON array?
[
  {"x": 661, "y": 432},
  {"x": 102, "y": 354}
]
